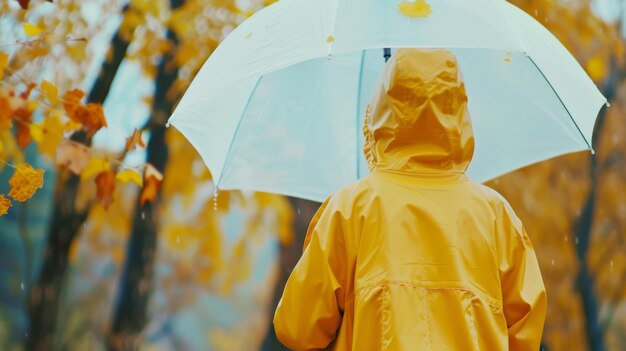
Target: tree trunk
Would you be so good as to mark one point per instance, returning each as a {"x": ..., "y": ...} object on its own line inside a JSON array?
[
  {"x": 304, "y": 211},
  {"x": 43, "y": 302},
  {"x": 582, "y": 234},
  {"x": 131, "y": 310}
]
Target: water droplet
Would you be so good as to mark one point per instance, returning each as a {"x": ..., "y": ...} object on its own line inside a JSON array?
[
  {"x": 177, "y": 239},
  {"x": 566, "y": 238},
  {"x": 577, "y": 240},
  {"x": 215, "y": 195},
  {"x": 612, "y": 265},
  {"x": 299, "y": 214},
  {"x": 553, "y": 262},
  {"x": 143, "y": 215},
  {"x": 22, "y": 284}
]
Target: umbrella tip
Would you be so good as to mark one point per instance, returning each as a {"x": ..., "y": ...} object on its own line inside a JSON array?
[
  {"x": 607, "y": 104},
  {"x": 167, "y": 125}
]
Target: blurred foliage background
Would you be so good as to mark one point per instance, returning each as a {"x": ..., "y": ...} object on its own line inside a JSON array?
[{"x": 122, "y": 242}]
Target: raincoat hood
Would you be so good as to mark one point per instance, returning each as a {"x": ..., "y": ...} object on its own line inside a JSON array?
[{"x": 417, "y": 120}]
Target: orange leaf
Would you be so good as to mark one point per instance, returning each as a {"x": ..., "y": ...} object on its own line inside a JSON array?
[
  {"x": 71, "y": 102},
  {"x": 152, "y": 183},
  {"x": 6, "y": 114},
  {"x": 4, "y": 63},
  {"x": 23, "y": 136},
  {"x": 91, "y": 116},
  {"x": 134, "y": 140},
  {"x": 73, "y": 156},
  {"x": 26, "y": 93},
  {"x": 105, "y": 182},
  {"x": 5, "y": 204},
  {"x": 25, "y": 182}
]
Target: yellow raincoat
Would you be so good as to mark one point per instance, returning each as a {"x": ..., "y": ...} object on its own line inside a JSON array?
[{"x": 416, "y": 256}]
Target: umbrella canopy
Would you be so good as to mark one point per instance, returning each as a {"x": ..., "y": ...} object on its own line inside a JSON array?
[{"x": 279, "y": 106}]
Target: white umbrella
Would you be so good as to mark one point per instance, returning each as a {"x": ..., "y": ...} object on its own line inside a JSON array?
[{"x": 279, "y": 106}]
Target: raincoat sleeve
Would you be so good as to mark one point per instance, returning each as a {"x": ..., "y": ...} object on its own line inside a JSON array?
[
  {"x": 523, "y": 291},
  {"x": 310, "y": 311}
]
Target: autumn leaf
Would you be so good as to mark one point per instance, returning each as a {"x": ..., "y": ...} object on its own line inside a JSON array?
[
  {"x": 6, "y": 114},
  {"x": 48, "y": 135},
  {"x": 24, "y": 118},
  {"x": 130, "y": 175},
  {"x": 24, "y": 3},
  {"x": 32, "y": 30},
  {"x": 71, "y": 102},
  {"x": 596, "y": 68},
  {"x": 330, "y": 39},
  {"x": 415, "y": 9},
  {"x": 90, "y": 116},
  {"x": 26, "y": 93},
  {"x": 105, "y": 183},
  {"x": 74, "y": 156},
  {"x": 51, "y": 91},
  {"x": 5, "y": 204},
  {"x": 4, "y": 63},
  {"x": 152, "y": 183},
  {"x": 71, "y": 126},
  {"x": 25, "y": 182},
  {"x": 96, "y": 166},
  {"x": 134, "y": 140}
]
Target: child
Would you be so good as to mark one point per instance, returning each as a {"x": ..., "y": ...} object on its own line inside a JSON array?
[{"x": 415, "y": 256}]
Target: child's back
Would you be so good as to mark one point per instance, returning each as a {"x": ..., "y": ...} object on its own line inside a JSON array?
[{"x": 415, "y": 256}]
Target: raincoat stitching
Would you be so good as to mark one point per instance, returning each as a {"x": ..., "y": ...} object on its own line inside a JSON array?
[
  {"x": 491, "y": 301},
  {"x": 427, "y": 317}
]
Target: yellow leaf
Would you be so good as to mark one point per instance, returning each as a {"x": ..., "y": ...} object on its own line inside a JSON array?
[
  {"x": 32, "y": 29},
  {"x": 32, "y": 105},
  {"x": 96, "y": 166},
  {"x": 48, "y": 134},
  {"x": 330, "y": 39},
  {"x": 71, "y": 126},
  {"x": 415, "y": 9},
  {"x": 4, "y": 63},
  {"x": 25, "y": 181},
  {"x": 51, "y": 91},
  {"x": 130, "y": 175},
  {"x": 596, "y": 68},
  {"x": 507, "y": 60},
  {"x": 36, "y": 132},
  {"x": 5, "y": 204}
]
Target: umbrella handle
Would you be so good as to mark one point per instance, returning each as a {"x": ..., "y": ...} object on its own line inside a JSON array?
[{"x": 386, "y": 54}]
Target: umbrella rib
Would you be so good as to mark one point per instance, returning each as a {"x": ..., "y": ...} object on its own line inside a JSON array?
[
  {"x": 358, "y": 106},
  {"x": 232, "y": 140},
  {"x": 562, "y": 103}
]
